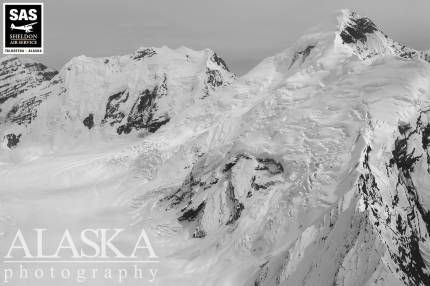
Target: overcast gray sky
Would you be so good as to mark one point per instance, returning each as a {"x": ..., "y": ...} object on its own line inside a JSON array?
[{"x": 243, "y": 32}]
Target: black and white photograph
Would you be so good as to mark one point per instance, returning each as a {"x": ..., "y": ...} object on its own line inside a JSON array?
[{"x": 215, "y": 143}]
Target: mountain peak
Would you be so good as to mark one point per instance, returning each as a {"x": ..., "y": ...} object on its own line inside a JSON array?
[
  {"x": 354, "y": 28},
  {"x": 20, "y": 74},
  {"x": 136, "y": 93},
  {"x": 368, "y": 41},
  {"x": 358, "y": 34}
]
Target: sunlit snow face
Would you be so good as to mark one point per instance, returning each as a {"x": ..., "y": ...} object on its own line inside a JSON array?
[
  {"x": 310, "y": 170},
  {"x": 265, "y": 28}
]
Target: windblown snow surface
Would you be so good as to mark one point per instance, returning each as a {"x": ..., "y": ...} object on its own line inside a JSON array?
[{"x": 312, "y": 169}]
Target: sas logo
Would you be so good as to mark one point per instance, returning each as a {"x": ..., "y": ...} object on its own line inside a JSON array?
[{"x": 22, "y": 28}]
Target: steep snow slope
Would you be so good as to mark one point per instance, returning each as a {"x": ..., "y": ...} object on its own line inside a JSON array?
[
  {"x": 295, "y": 167},
  {"x": 16, "y": 77},
  {"x": 19, "y": 75},
  {"x": 368, "y": 41},
  {"x": 312, "y": 169},
  {"x": 92, "y": 97}
]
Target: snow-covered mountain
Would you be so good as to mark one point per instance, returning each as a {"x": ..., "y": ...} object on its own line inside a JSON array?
[
  {"x": 91, "y": 97},
  {"x": 312, "y": 169},
  {"x": 18, "y": 76}
]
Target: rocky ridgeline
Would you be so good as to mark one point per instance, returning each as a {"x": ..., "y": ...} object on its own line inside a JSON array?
[{"x": 167, "y": 78}]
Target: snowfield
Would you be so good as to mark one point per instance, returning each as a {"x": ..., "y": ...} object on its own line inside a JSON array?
[{"x": 312, "y": 169}]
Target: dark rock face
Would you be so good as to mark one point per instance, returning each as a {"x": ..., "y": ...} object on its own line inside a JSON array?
[
  {"x": 219, "y": 61},
  {"x": 139, "y": 115},
  {"x": 220, "y": 180},
  {"x": 141, "y": 54},
  {"x": 112, "y": 113},
  {"x": 214, "y": 78},
  {"x": 356, "y": 34},
  {"x": 143, "y": 113},
  {"x": 192, "y": 214},
  {"x": 89, "y": 121},
  {"x": 12, "y": 140},
  {"x": 357, "y": 30},
  {"x": 399, "y": 219},
  {"x": 303, "y": 54},
  {"x": 25, "y": 111},
  {"x": 234, "y": 204},
  {"x": 17, "y": 76},
  {"x": 42, "y": 70},
  {"x": 409, "y": 258}
]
